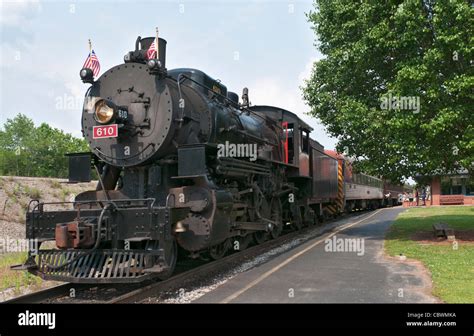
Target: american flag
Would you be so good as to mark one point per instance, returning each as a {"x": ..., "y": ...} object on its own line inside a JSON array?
[
  {"x": 151, "y": 52},
  {"x": 92, "y": 62}
]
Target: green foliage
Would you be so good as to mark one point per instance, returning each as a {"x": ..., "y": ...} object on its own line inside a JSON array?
[
  {"x": 33, "y": 193},
  {"x": 26, "y": 150},
  {"x": 422, "y": 49},
  {"x": 64, "y": 194},
  {"x": 450, "y": 265}
]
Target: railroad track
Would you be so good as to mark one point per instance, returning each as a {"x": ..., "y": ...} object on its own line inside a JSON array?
[
  {"x": 46, "y": 294},
  {"x": 93, "y": 293},
  {"x": 96, "y": 293},
  {"x": 86, "y": 293}
]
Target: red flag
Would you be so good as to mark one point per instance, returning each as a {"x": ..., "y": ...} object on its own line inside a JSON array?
[
  {"x": 92, "y": 62},
  {"x": 151, "y": 52}
]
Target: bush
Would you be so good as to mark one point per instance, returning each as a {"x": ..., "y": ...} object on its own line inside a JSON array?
[
  {"x": 55, "y": 184},
  {"x": 33, "y": 193}
]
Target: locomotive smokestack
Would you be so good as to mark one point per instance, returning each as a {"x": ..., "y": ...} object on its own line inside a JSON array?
[
  {"x": 141, "y": 47},
  {"x": 145, "y": 44}
]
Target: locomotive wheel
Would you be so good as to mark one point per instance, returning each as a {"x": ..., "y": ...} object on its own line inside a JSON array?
[
  {"x": 315, "y": 220},
  {"x": 297, "y": 224},
  {"x": 311, "y": 218},
  {"x": 264, "y": 211},
  {"x": 171, "y": 258},
  {"x": 219, "y": 250},
  {"x": 276, "y": 216},
  {"x": 261, "y": 237},
  {"x": 297, "y": 221}
]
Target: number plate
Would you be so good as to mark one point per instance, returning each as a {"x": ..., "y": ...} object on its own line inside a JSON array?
[{"x": 109, "y": 131}]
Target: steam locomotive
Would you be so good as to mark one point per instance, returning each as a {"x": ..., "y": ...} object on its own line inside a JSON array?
[{"x": 184, "y": 166}]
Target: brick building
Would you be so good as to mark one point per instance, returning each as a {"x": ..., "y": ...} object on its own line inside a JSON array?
[{"x": 457, "y": 188}]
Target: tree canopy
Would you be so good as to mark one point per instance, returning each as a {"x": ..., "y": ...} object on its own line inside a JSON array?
[
  {"x": 396, "y": 82},
  {"x": 27, "y": 150}
]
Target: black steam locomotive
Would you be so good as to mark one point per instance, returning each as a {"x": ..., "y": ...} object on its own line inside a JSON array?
[{"x": 184, "y": 166}]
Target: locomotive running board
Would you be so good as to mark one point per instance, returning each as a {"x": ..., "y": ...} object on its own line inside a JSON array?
[
  {"x": 254, "y": 226},
  {"x": 102, "y": 266}
]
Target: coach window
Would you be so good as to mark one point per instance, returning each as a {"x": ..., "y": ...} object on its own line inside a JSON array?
[
  {"x": 291, "y": 151},
  {"x": 305, "y": 140}
]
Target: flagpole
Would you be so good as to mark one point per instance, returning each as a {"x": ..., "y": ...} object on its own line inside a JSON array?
[
  {"x": 157, "y": 44},
  {"x": 90, "y": 47}
]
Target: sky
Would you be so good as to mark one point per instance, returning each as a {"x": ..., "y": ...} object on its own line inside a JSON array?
[{"x": 267, "y": 46}]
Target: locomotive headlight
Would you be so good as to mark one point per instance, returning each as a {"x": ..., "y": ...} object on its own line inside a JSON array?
[{"x": 103, "y": 112}]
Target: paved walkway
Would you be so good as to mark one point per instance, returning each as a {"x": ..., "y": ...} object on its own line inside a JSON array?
[{"x": 312, "y": 273}]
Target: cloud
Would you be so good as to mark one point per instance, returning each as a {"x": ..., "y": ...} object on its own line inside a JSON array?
[
  {"x": 271, "y": 91},
  {"x": 16, "y": 23},
  {"x": 306, "y": 73},
  {"x": 42, "y": 99},
  {"x": 17, "y": 13}
]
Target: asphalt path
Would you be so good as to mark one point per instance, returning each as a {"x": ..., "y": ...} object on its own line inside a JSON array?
[{"x": 346, "y": 265}]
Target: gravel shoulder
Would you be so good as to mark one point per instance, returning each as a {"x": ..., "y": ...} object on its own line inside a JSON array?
[
  {"x": 15, "y": 195},
  {"x": 16, "y": 192}
]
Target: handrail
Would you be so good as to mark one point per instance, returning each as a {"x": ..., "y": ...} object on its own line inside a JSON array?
[{"x": 149, "y": 201}]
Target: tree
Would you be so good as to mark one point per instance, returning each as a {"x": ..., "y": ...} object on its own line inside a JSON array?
[
  {"x": 382, "y": 58},
  {"x": 15, "y": 143},
  {"x": 27, "y": 150}
]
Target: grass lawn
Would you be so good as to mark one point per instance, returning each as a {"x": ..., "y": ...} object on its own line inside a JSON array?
[
  {"x": 15, "y": 279},
  {"x": 452, "y": 269}
]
